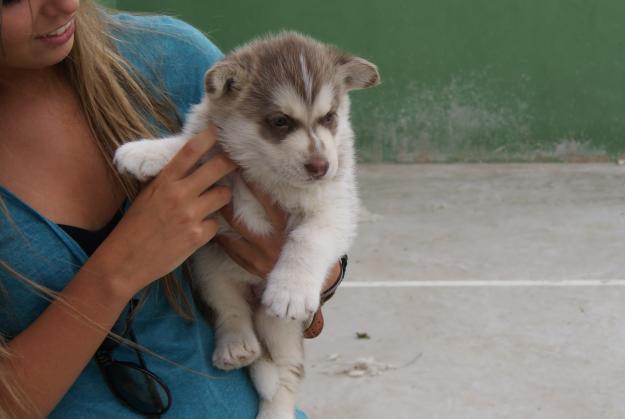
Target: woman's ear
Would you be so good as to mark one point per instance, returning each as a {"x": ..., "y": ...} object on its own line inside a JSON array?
[{"x": 358, "y": 73}]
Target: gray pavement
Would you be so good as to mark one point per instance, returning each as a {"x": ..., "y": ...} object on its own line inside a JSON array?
[{"x": 496, "y": 295}]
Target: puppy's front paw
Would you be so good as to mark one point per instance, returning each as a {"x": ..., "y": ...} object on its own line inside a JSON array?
[
  {"x": 289, "y": 298},
  {"x": 143, "y": 159}
]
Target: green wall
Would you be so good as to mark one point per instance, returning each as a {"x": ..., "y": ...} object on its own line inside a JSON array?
[
  {"x": 462, "y": 79},
  {"x": 108, "y": 3}
]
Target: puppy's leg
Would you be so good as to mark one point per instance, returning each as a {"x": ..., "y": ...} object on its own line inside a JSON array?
[
  {"x": 294, "y": 284},
  {"x": 236, "y": 342},
  {"x": 146, "y": 158},
  {"x": 278, "y": 373}
]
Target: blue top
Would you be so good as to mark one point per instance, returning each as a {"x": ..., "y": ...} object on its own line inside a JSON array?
[{"x": 39, "y": 249}]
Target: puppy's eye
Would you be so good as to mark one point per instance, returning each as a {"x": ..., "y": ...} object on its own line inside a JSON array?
[
  {"x": 329, "y": 118},
  {"x": 281, "y": 122}
]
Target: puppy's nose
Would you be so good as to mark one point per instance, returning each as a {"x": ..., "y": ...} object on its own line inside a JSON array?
[{"x": 317, "y": 167}]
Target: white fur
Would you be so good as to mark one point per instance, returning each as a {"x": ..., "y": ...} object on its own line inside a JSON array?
[
  {"x": 307, "y": 78},
  {"x": 293, "y": 104},
  {"x": 323, "y": 103},
  {"x": 321, "y": 227},
  {"x": 132, "y": 158}
]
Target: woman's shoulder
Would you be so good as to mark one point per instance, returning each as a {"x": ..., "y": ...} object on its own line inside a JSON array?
[
  {"x": 165, "y": 35},
  {"x": 167, "y": 51}
]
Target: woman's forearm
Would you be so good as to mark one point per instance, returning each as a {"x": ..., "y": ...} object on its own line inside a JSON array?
[{"x": 49, "y": 355}]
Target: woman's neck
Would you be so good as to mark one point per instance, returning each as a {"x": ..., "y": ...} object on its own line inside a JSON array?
[
  {"x": 31, "y": 89},
  {"x": 23, "y": 84}
]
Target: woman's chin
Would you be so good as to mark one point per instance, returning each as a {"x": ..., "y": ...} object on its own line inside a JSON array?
[{"x": 56, "y": 56}]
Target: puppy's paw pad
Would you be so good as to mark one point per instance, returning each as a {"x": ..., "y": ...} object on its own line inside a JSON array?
[{"x": 235, "y": 351}]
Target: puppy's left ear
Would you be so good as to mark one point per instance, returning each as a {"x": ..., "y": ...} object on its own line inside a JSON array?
[
  {"x": 358, "y": 73},
  {"x": 226, "y": 79}
]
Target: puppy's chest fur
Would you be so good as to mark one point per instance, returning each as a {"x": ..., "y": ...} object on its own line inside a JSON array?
[{"x": 249, "y": 210}]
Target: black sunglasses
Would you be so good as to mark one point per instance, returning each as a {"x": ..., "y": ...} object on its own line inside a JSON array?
[{"x": 132, "y": 383}]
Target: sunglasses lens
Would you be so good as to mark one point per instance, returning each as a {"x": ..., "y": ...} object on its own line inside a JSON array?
[{"x": 140, "y": 389}]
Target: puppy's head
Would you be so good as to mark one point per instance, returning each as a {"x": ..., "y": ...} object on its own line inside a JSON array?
[{"x": 283, "y": 108}]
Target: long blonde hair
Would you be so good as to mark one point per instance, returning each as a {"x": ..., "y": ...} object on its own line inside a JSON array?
[{"x": 117, "y": 103}]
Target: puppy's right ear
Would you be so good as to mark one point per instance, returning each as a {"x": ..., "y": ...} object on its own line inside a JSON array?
[
  {"x": 225, "y": 79},
  {"x": 358, "y": 73}
]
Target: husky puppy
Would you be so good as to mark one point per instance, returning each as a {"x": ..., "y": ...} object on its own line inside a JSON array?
[{"x": 282, "y": 109}]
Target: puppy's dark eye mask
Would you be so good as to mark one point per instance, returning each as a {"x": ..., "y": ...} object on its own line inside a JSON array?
[{"x": 283, "y": 124}]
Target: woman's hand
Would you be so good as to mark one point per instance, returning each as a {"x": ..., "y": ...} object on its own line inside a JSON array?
[
  {"x": 259, "y": 254},
  {"x": 255, "y": 253},
  {"x": 168, "y": 221}
]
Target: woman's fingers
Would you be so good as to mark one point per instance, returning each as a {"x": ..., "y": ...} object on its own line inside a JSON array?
[
  {"x": 245, "y": 255},
  {"x": 228, "y": 213},
  {"x": 210, "y": 172},
  {"x": 190, "y": 153},
  {"x": 255, "y": 253},
  {"x": 214, "y": 199}
]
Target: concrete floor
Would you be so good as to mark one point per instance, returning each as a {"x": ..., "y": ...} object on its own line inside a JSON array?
[{"x": 479, "y": 291}]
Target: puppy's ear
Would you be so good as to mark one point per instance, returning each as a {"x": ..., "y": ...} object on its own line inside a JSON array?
[
  {"x": 225, "y": 79},
  {"x": 358, "y": 73}
]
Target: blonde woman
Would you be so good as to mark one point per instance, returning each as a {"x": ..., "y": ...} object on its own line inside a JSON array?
[{"x": 82, "y": 334}]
